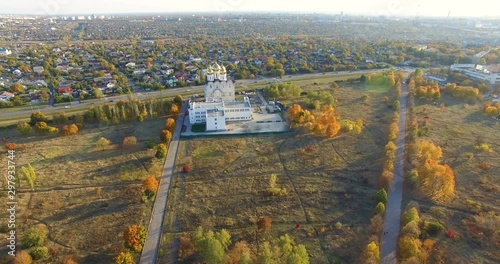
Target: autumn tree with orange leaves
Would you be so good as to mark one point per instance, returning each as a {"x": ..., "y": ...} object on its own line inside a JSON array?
[
  {"x": 170, "y": 125},
  {"x": 150, "y": 185},
  {"x": 70, "y": 130},
  {"x": 135, "y": 237}
]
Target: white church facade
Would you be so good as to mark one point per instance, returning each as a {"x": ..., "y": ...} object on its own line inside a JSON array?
[{"x": 220, "y": 106}]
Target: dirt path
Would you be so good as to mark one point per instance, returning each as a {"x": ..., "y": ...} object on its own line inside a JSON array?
[{"x": 395, "y": 194}]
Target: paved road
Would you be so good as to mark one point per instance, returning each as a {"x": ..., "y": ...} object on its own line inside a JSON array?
[
  {"x": 395, "y": 194},
  {"x": 175, "y": 91},
  {"x": 152, "y": 245}
]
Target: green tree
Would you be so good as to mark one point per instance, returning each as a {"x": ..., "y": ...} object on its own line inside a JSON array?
[
  {"x": 178, "y": 99},
  {"x": 29, "y": 175},
  {"x": 98, "y": 93},
  {"x": 40, "y": 253},
  {"x": 24, "y": 128},
  {"x": 34, "y": 236},
  {"x": 410, "y": 215},
  {"x": 124, "y": 258},
  {"x": 38, "y": 117},
  {"x": 210, "y": 248},
  {"x": 380, "y": 208},
  {"x": 382, "y": 196}
]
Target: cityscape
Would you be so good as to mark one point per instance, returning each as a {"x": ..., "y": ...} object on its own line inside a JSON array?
[{"x": 249, "y": 132}]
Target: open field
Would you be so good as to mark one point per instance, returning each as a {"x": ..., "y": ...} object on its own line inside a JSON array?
[
  {"x": 334, "y": 183},
  {"x": 83, "y": 195},
  {"x": 457, "y": 129}
]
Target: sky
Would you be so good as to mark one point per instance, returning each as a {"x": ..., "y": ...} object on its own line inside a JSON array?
[{"x": 456, "y": 8}]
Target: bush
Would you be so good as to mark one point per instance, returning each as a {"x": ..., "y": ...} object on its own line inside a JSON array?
[
  {"x": 150, "y": 144},
  {"x": 129, "y": 141},
  {"x": 135, "y": 236},
  {"x": 433, "y": 228},
  {"x": 70, "y": 130},
  {"x": 186, "y": 168},
  {"x": 161, "y": 151},
  {"x": 484, "y": 166},
  {"x": 40, "y": 253},
  {"x": 24, "y": 128},
  {"x": 34, "y": 236},
  {"x": 166, "y": 135},
  {"x": 22, "y": 258},
  {"x": 124, "y": 258},
  {"x": 102, "y": 143},
  {"x": 411, "y": 230},
  {"x": 380, "y": 208},
  {"x": 38, "y": 117},
  {"x": 264, "y": 224},
  {"x": 11, "y": 146},
  {"x": 186, "y": 247}
]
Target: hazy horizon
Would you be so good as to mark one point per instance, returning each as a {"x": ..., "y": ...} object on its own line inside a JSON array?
[{"x": 423, "y": 8}]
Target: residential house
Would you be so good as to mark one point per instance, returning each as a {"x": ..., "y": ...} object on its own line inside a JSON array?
[
  {"x": 65, "y": 90},
  {"x": 5, "y": 52},
  {"x": 6, "y": 96},
  {"x": 38, "y": 69},
  {"x": 130, "y": 65}
]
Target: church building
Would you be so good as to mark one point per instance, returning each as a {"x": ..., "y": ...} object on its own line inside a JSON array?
[{"x": 220, "y": 106}]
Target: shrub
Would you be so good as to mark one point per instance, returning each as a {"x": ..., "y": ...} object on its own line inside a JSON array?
[
  {"x": 433, "y": 228},
  {"x": 186, "y": 247},
  {"x": 11, "y": 146},
  {"x": 484, "y": 166},
  {"x": 124, "y": 258},
  {"x": 22, "y": 257},
  {"x": 41, "y": 127},
  {"x": 150, "y": 185},
  {"x": 264, "y": 223},
  {"x": 161, "y": 151},
  {"x": 338, "y": 225},
  {"x": 102, "y": 143},
  {"x": 484, "y": 147},
  {"x": 40, "y": 253},
  {"x": 186, "y": 168},
  {"x": 34, "y": 236},
  {"x": 129, "y": 141},
  {"x": 24, "y": 128},
  {"x": 380, "y": 208},
  {"x": 70, "y": 130},
  {"x": 150, "y": 144}
]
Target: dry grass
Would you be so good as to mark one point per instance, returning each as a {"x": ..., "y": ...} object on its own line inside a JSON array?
[
  {"x": 82, "y": 194},
  {"x": 458, "y": 130},
  {"x": 228, "y": 184}
]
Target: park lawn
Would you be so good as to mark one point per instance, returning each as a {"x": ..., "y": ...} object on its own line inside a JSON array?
[
  {"x": 84, "y": 196},
  {"x": 457, "y": 129},
  {"x": 227, "y": 186}
]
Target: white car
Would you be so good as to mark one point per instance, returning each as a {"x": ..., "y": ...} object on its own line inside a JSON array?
[{"x": 67, "y": 107}]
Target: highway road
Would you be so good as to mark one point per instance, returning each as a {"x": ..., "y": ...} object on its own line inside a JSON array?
[{"x": 140, "y": 94}]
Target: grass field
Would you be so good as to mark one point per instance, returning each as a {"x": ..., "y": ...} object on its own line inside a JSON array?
[
  {"x": 457, "y": 129},
  {"x": 334, "y": 183},
  {"x": 84, "y": 196}
]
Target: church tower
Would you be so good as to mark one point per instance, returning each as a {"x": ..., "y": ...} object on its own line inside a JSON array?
[{"x": 218, "y": 87}]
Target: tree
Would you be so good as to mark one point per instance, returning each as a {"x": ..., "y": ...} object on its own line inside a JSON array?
[
  {"x": 149, "y": 63},
  {"x": 273, "y": 190},
  {"x": 174, "y": 110},
  {"x": 102, "y": 143},
  {"x": 70, "y": 130},
  {"x": 34, "y": 236},
  {"x": 240, "y": 253},
  {"x": 124, "y": 258},
  {"x": 410, "y": 215},
  {"x": 293, "y": 253},
  {"x": 129, "y": 141},
  {"x": 411, "y": 230},
  {"x": 38, "y": 117},
  {"x": 40, "y": 253},
  {"x": 165, "y": 136},
  {"x": 98, "y": 93},
  {"x": 29, "y": 175},
  {"x": 17, "y": 88},
  {"x": 264, "y": 224},
  {"x": 161, "y": 151},
  {"x": 209, "y": 246},
  {"x": 382, "y": 196},
  {"x": 150, "y": 185},
  {"x": 380, "y": 208},
  {"x": 409, "y": 247},
  {"x": 135, "y": 236},
  {"x": 23, "y": 257},
  {"x": 371, "y": 253},
  {"x": 170, "y": 124},
  {"x": 181, "y": 66},
  {"x": 178, "y": 99},
  {"x": 435, "y": 180},
  {"x": 186, "y": 247}
]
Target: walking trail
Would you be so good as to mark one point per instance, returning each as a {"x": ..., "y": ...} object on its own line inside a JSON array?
[
  {"x": 395, "y": 194},
  {"x": 152, "y": 245}
]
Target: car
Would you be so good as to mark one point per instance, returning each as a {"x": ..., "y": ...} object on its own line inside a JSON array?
[
  {"x": 67, "y": 107},
  {"x": 111, "y": 100}
]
